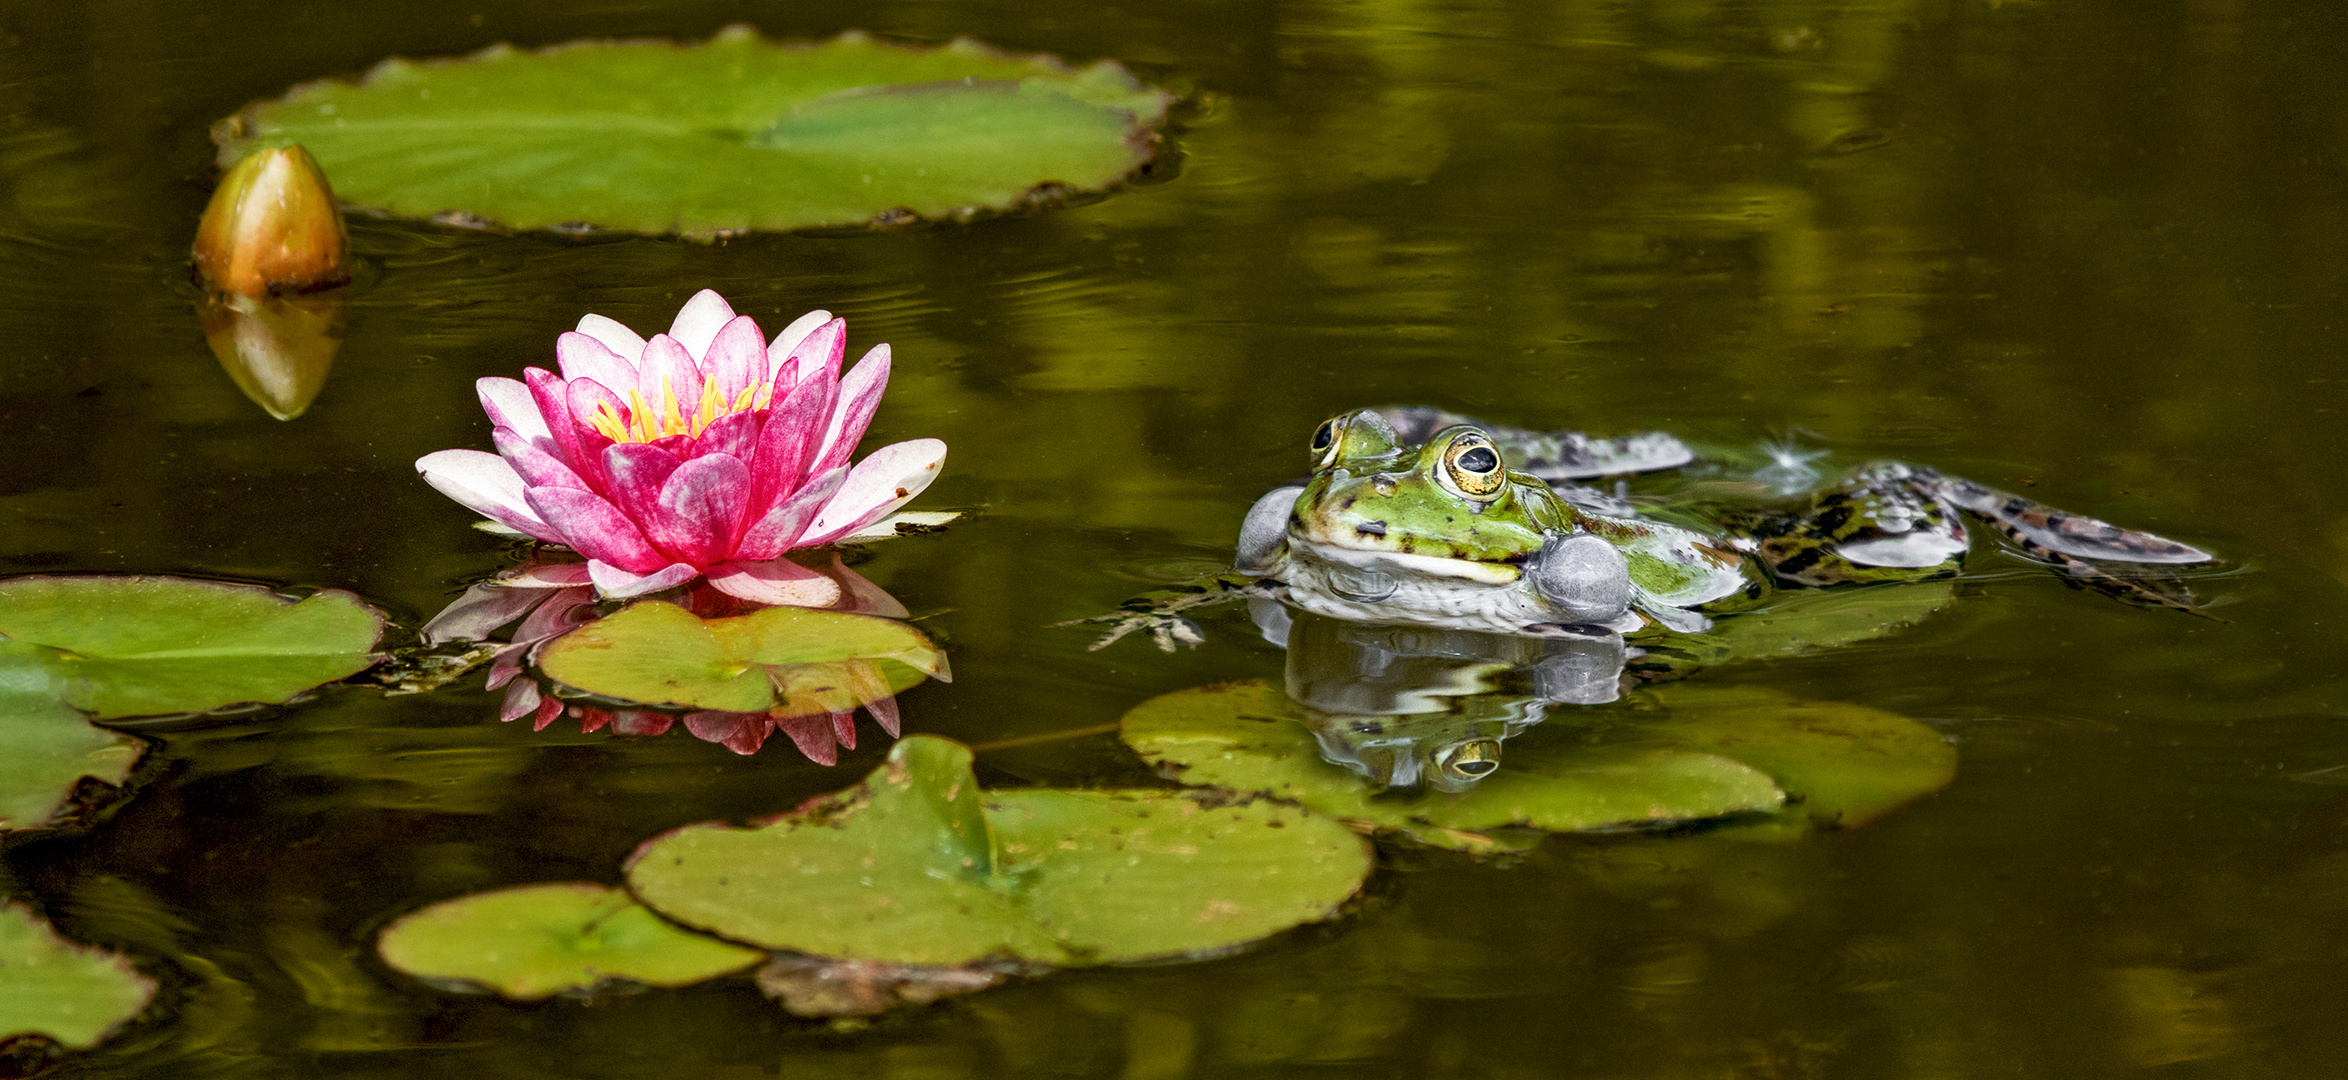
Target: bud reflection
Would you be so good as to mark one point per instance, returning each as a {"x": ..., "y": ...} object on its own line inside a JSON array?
[{"x": 277, "y": 349}]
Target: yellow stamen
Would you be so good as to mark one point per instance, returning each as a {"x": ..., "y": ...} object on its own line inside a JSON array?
[{"x": 637, "y": 420}]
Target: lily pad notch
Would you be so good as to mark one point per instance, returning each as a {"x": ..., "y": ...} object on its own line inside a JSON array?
[{"x": 710, "y": 139}]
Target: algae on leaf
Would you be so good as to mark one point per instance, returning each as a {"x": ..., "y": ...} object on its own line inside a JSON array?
[
  {"x": 736, "y": 133},
  {"x": 534, "y": 941},
  {"x": 917, "y": 866},
  {"x": 53, "y": 988}
]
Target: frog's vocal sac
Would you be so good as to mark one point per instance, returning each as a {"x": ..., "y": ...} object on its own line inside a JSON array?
[{"x": 1414, "y": 516}]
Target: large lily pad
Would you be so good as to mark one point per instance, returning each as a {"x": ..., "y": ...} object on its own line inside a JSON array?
[
  {"x": 657, "y": 653},
  {"x": 916, "y": 866},
  {"x": 46, "y": 748},
  {"x": 143, "y": 646},
  {"x": 534, "y": 941},
  {"x": 1846, "y": 764},
  {"x": 53, "y": 988},
  {"x": 1249, "y": 736},
  {"x": 738, "y": 133}
]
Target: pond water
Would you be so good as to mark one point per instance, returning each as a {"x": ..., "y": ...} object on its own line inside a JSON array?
[{"x": 2091, "y": 250}]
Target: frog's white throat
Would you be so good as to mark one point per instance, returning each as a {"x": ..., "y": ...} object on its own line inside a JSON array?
[{"x": 1368, "y": 565}]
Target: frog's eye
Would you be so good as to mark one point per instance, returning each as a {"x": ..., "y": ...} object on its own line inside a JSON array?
[
  {"x": 1325, "y": 436},
  {"x": 1469, "y": 761},
  {"x": 1472, "y": 466}
]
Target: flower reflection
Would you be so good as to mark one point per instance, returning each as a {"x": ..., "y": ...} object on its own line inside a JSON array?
[
  {"x": 706, "y": 451},
  {"x": 816, "y": 702}
]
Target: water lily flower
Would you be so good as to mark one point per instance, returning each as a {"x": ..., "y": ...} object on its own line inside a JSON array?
[{"x": 705, "y": 451}]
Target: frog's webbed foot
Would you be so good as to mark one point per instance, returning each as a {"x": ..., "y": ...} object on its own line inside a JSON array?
[
  {"x": 1554, "y": 456},
  {"x": 2077, "y": 544},
  {"x": 1160, "y": 611}
]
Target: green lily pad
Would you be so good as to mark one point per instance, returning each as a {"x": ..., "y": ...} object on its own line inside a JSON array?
[
  {"x": 144, "y": 646},
  {"x": 1248, "y": 736},
  {"x": 53, "y": 988},
  {"x": 1844, "y": 764},
  {"x": 534, "y": 941},
  {"x": 738, "y": 133},
  {"x": 660, "y": 654},
  {"x": 916, "y": 866},
  {"x": 46, "y": 747}
]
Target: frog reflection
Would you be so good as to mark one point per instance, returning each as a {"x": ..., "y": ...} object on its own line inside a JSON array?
[{"x": 1405, "y": 706}]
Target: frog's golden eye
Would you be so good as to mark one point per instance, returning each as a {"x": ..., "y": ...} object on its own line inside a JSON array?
[
  {"x": 1325, "y": 436},
  {"x": 1472, "y": 466},
  {"x": 1470, "y": 761}
]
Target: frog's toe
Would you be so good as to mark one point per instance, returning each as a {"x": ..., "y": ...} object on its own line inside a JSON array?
[{"x": 1176, "y": 630}]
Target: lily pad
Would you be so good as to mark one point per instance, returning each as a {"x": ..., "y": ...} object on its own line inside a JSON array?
[
  {"x": 916, "y": 866},
  {"x": 46, "y": 747},
  {"x": 53, "y": 988},
  {"x": 737, "y": 133},
  {"x": 658, "y": 653},
  {"x": 1845, "y": 764},
  {"x": 143, "y": 646},
  {"x": 534, "y": 941},
  {"x": 1249, "y": 736}
]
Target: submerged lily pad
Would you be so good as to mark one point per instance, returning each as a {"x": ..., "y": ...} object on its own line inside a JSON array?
[
  {"x": 917, "y": 866},
  {"x": 53, "y": 988},
  {"x": 534, "y": 941},
  {"x": 738, "y": 133},
  {"x": 143, "y": 646},
  {"x": 1846, "y": 764},
  {"x": 658, "y": 653},
  {"x": 1249, "y": 736},
  {"x": 46, "y": 747}
]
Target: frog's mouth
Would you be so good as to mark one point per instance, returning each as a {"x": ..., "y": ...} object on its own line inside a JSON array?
[{"x": 1407, "y": 564}]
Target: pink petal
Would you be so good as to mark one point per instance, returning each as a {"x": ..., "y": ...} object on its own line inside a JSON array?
[
  {"x": 698, "y": 321},
  {"x": 481, "y": 609},
  {"x": 642, "y": 723},
  {"x": 869, "y": 686},
  {"x": 547, "y": 711},
  {"x": 813, "y": 736},
  {"x": 884, "y": 713},
  {"x": 699, "y": 514},
  {"x": 485, "y": 484},
  {"x": 844, "y": 728},
  {"x": 788, "y": 341},
  {"x": 735, "y": 359},
  {"x": 668, "y": 369},
  {"x": 593, "y": 527},
  {"x": 636, "y": 472},
  {"x": 860, "y": 394},
  {"x": 509, "y": 404},
  {"x": 779, "y": 529},
  {"x": 734, "y": 435},
  {"x": 546, "y": 576},
  {"x": 562, "y": 404},
  {"x": 503, "y": 666},
  {"x": 619, "y": 584},
  {"x": 861, "y": 596},
  {"x": 879, "y": 484},
  {"x": 775, "y": 581},
  {"x": 536, "y": 467},
  {"x": 520, "y": 699},
  {"x": 789, "y": 436},
  {"x": 563, "y": 611},
  {"x": 742, "y": 733},
  {"x": 623, "y": 342},
  {"x": 583, "y": 357},
  {"x": 816, "y": 355}
]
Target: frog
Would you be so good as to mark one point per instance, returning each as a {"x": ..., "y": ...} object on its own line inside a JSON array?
[{"x": 1416, "y": 516}]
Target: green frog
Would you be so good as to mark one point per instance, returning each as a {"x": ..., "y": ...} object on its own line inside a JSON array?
[{"x": 1413, "y": 516}]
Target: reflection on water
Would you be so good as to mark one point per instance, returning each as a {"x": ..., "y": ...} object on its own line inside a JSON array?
[
  {"x": 2090, "y": 252},
  {"x": 1408, "y": 705}
]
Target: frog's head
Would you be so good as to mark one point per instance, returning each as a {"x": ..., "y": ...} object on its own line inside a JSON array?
[{"x": 1450, "y": 508}]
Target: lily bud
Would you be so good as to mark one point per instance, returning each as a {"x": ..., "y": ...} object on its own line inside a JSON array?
[
  {"x": 278, "y": 349},
  {"x": 272, "y": 226}
]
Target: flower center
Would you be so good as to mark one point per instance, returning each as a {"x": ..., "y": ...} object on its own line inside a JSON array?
[{"x": 640, "y": 421}]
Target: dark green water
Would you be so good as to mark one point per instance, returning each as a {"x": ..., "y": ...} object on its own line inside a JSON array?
[{"x": 2094, "y": 250}]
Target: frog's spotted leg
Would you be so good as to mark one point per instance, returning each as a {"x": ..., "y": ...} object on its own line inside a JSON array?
[
  {"x": 2070, "y": 541},
  {"x": 1551, "y": 455},
  {"x": 1885, "y": 522},
  {"x": 1159, "y": 611}
]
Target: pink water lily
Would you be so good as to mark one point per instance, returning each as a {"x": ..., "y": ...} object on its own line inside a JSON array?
[{"x": 705, "y": 451}]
